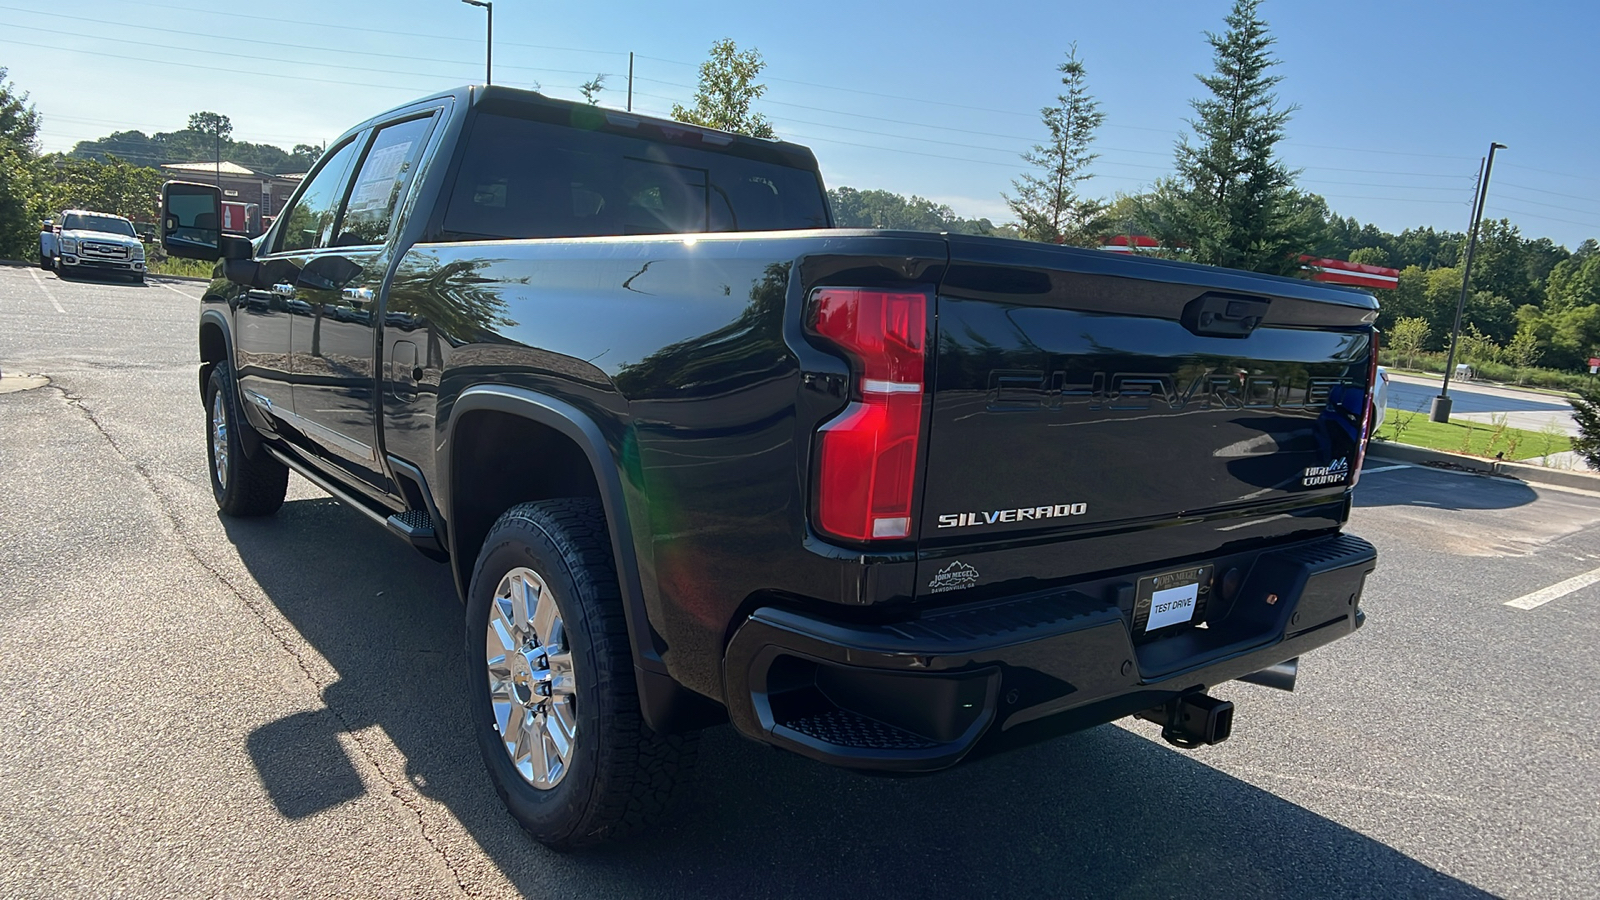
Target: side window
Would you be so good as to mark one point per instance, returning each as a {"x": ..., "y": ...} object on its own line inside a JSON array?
[
  {"x": 381, "y": 182},
  {"x": 307, "y": 223}
]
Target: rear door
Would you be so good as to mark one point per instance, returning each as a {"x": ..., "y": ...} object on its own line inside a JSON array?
[
  {"x": 1079, "y": 392},
  {"x": 335, "y": 386}
]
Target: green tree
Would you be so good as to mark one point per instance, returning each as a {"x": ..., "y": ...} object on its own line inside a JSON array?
[
  {"x": 113, "y": 186},
  {"x": 21, "y": 207},
  {"x": 1524, "y": 351},
  {"x": 591, "y": 89},
  {"x": 1233, "y": 202},
  {"x": 1586, "y": 413},
  {"x": 884, "y": 209},
  {"x": 1047, "y": 204},
  {"x": 1370, "y": 256},
  {"x": 1407, "y": 338},
  {"x": 19, "y": 121},
  {"x": 1573, "y": 282},
  {"x": 213, "y": 125},
  {"x": 727, "y": 89}
]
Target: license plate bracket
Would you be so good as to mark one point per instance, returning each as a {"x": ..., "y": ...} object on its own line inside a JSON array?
[{"x": 1165, "y": 603}]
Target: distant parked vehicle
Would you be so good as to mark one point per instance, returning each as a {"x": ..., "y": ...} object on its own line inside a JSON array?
[
  {"x": 49, "y": 241},
  {"x": 96, "y": 241}
]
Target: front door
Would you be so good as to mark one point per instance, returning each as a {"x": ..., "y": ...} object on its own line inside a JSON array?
[{"x": 267, "y": 315}]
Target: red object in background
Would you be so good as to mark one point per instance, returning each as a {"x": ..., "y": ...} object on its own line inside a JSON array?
[
  {"x": 241, "y": 218},
  {"x": 1122, "y": 243},
  {"x": 1337, "y": 271}
]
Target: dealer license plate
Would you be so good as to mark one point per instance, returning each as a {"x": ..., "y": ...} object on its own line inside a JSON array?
[{"x": 1171, "y": 599}]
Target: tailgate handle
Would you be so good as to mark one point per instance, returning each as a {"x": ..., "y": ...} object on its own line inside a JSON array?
[{"x": 1222, "y": 315}]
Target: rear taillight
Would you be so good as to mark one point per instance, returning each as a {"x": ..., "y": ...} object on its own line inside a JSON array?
[
  {"x": 867, "y": 455},
  {"x": 1367, "y": 412}
]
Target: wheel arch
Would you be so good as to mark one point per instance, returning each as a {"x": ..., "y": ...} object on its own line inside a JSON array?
[
  {"x": 215, "y": 344},
  {"x": 493, "y": 431}
]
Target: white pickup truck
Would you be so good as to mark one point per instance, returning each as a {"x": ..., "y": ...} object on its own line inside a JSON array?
[{"x": 82, "y": 241}]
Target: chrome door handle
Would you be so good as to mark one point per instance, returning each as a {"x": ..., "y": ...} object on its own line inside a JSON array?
[
  {"x": 358, "y": 295},
  {"x": 286, "y": 290}
]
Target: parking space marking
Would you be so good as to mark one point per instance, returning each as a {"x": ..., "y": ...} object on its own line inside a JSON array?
[
  {"x": 1366, "y": 471},
  {"x": 1555, "y": 591},
  {"x": 40, "y": 282},
  {"x": 176, "y": 291}
]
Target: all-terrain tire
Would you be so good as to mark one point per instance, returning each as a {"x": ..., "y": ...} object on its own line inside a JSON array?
[
  {"x": 621, "y": 776},
  {"x": 242, "y": 486}
]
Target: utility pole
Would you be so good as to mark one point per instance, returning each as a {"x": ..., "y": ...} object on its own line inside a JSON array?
[
  {"x": 1439, "y": 411},
  {"x": 488, "y": 52},
  {"x": 630, "y": 81}
]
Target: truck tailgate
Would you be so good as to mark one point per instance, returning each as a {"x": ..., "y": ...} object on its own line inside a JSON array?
[{"x": 1070, "y": 399}]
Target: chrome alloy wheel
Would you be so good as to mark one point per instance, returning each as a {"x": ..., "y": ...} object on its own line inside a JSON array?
[
  {"x": 531, "y": 682},
  {"x": 219, "y": 439}
]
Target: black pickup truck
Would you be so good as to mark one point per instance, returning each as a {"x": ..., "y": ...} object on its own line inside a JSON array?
[{"x": 884, "y": 499}]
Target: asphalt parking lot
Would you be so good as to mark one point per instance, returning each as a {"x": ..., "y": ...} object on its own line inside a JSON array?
[{"x": 191, "y": 706}]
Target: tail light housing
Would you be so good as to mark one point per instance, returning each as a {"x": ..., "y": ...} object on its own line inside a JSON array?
[
  {"x": 867, "y": 455},
  {"x": 1367, "y": 411}
]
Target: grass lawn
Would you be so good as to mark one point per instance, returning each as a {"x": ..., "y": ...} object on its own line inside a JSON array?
[{"x": 1473, "y": 438}]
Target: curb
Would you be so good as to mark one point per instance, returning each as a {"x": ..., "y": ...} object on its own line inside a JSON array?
[{"x": 1521, "y": 471}]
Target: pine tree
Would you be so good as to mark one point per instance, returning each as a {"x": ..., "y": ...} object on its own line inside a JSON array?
[
  {"x": 1047, "y": 204},
  {"x": 727, "y": 88},
  {"x": 1233, "y": 202},
  {"x": 1586, "y": 415}
]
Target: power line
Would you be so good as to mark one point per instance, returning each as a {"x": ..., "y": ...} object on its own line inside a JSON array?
[
  {"x": 237, "y": 40},
  {"x": 1557, "y": 174},
  {"x": 278, "y": 20},
  {"x": 1566, "y": 194},
  {"x": 1518, "y": 212}
]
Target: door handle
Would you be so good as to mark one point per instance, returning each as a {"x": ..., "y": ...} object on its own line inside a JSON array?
[
  {"x": 285, "y": 290},
  {"x": 358, "y": 295}
]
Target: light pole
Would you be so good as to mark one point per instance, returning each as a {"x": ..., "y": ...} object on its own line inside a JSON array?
[
  {"x": 1439, "y": 411},
  {"x": 488, "y": 51}
]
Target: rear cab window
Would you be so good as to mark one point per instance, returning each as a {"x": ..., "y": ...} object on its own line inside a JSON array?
[
  {"x": 520, "y": 178},
  {"x": 381, "y": 182}
]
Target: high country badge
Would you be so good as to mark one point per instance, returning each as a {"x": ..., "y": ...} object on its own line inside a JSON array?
[{"x": 1336, "y": 472}]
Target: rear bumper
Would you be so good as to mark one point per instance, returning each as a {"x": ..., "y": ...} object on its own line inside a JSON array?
[{"x": 920, "y": 696}]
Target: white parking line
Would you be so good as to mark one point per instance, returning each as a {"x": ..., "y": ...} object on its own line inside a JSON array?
[
  {"x": 1555, "y": 591},
  {"x": 40, "y": 282},
  {"x": 176, "y": 291},
  {"x": 1366, "y": 471}
]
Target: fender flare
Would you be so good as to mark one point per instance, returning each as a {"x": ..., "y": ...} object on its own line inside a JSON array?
[
  {"x": 248, "y": 437},
  {"x": 665, "y": 704},
  {"x": 215, "y": 317}
]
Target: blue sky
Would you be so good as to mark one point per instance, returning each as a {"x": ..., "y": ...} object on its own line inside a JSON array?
[{"x": 1399, "y": 100}]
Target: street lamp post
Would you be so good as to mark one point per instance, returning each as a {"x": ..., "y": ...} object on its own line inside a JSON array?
[
  {"x": 488, "y": 52},
  {"x": 1439, "y": 411}
]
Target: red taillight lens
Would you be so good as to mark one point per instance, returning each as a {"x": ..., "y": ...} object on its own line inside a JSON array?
[
  {"x": 867, "y": 456},
  {"x": 1367, "y": 412}
]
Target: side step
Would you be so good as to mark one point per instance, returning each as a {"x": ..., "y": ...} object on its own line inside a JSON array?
[{"x": 415, "y": 527}]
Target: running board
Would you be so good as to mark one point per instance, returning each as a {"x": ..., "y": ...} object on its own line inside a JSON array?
[{"x": 414, "y": 526}]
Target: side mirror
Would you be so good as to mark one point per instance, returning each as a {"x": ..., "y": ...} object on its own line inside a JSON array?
[
  {"x": 191, "y": 219},
  {"x": 47, "y": 224}
]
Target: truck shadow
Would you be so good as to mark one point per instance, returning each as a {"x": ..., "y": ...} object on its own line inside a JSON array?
[
  {"x": 1421, "y": 486},
  {"x": 1100, "y": 813}
]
